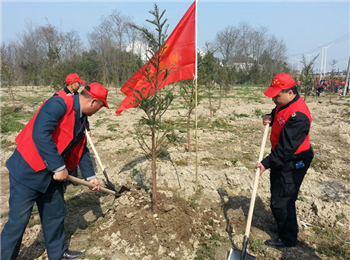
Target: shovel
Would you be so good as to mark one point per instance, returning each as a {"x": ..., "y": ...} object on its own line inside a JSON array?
[
  {"x": 109, "y": 184},
  {"x": 236, "y": 254}
]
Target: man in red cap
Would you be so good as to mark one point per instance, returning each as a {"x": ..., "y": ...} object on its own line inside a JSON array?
[
  {"x": 290, "y": 157},
  {"x": 51, "y": 144},
  {"x": 73, "y": 83}
]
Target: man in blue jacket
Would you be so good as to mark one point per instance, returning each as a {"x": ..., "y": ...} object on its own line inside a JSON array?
[{"x": 52, "y": 143}]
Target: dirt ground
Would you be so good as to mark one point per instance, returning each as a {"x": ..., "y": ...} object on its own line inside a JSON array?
[{"x": 200, "y": 220}]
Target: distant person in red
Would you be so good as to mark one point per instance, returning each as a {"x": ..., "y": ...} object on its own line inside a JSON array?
[
  {"x": 73, "y": 84},
  {"x": 317, "y": 88},
  {"x": 336, "y": 85}
]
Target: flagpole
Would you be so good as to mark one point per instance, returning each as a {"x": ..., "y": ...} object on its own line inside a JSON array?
[{"x": 196, "y": 98}]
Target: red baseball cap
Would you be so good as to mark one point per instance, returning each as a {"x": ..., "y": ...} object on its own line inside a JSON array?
[
  {"x": 280, "y": 81},
  {"x": 71, "y": 78},
  {"x": 97, "y": 91}
]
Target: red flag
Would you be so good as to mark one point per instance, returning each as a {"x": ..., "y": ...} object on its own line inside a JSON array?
[{"x": 179, "y": 55}]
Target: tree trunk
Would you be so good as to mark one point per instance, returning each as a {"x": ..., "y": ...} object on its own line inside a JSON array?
[
  {"x": 210, "y": 107},
  {"x": 189, "y": 131},
  {"x": 154, "y": 176}
]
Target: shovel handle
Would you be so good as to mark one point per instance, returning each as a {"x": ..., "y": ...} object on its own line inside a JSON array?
[
  {"x": 90, "y": 185},
  {"x": 256, "y": 182},
  {"x": 94, "y": 149}
]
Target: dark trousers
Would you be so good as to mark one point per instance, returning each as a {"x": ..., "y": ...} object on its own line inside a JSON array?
[
  {"x": 52, "y": 210},
  {"x": 285, "y": 184}
]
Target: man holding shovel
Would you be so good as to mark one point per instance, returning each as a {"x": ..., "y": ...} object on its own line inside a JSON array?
[
  {"x": 52, "y": 143},
  {"x": 290, "y": 157}
]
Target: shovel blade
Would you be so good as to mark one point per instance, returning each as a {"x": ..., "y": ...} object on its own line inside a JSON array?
[
  {"x": 122, "y": 189},
  {"x": 236, "y": 254},
  {"x": 110, "y": 186}
]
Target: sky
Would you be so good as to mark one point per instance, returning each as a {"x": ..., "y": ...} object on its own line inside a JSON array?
[{"x": 303, "y": 25}]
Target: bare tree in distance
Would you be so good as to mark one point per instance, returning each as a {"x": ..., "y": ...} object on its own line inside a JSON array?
[
  {"x": 226, "y": 43},
  {"x": 257, "y": 41},
  {"x": 110, "y": 39},
  {"x": 255, "y": 53},
  {"x": 188, "y": 94}
]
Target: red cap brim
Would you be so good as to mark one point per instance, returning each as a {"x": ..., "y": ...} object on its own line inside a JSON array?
[{"x": 272, "y": 92}]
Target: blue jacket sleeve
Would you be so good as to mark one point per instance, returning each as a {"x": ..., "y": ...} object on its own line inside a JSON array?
[{"x": 45, "y": 123}]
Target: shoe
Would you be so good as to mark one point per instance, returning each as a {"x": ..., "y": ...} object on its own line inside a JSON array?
[
  {"x": 274, "y": 229},
  {"x": 71, "y": 254},
  {"x": 275, "y": 242}
]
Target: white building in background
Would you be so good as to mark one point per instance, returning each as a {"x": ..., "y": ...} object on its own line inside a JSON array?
[
  {"x": 201, "y": 52},
  {"x": 138, "y": 48}
]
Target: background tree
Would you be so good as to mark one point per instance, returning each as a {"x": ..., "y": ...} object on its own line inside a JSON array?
[
  {"x": 188, "y": 94},
  {"x": 110, "y": 39},
  {"x": 30, "y": 56},
  {"x": 7, "y": 68},
  {"x": 252, "y": 55},
  {"x": 44, "y": 55},
  {"x": 226, "y": 44},
  {"x": 333, "y": 80},
  {"x": 307, "y": 76},
  {"x": 207, "y": 68}
]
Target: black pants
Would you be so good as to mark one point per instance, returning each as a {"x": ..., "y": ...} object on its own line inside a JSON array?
[{"x": 285, "y": 184}]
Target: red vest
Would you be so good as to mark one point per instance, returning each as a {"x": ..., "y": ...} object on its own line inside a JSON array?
[
  {"x": 282, "y": 117},
  {"x": 62, "y": 136},
  {"x": 61, "y": 93}
]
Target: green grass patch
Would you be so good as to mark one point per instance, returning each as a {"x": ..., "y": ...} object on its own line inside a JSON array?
[
  {"x": 5, "y": 145},
  {"x": 10, "y": 125},
  {"x": 329, "y": 245},
  {"x": 36, "y": 99},
  {"x": 99, "y": 122},
  {"x": 208, "y": 247},
  {"x": 181, "y": 162},
  {"x": 258, "y": 112},
  {"x": 112, "y": 127},
  {"x": 4, "y": 214},
  {"x": 256, "y": 244},
  {"x": 320, "y": 163}
]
